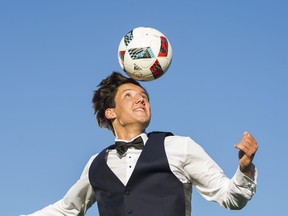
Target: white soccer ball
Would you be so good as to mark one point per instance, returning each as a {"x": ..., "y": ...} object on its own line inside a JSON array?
[{"x": 144, "y": 54}]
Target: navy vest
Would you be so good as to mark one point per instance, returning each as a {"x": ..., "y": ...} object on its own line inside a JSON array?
[{"x": 152, "y": 190}]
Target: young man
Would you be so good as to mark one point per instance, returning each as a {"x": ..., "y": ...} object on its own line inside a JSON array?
[{"x": 155, "y": 175}]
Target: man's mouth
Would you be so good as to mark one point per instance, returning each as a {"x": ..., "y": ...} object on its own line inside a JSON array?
[{"x": 140, "y": 109}]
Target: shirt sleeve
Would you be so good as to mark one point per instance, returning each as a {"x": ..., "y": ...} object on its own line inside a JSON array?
[
  {"x": 77, "y": 200},
  {"x": 211, "y": 182}
]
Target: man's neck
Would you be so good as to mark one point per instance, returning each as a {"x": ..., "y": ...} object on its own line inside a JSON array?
[{"x": 128, "y": 134}]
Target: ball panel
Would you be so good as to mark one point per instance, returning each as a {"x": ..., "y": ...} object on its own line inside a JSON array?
[
  {"x": 121, "y": 56},
  {"x": 163, "y": 47},
  {"x": 128, "y": 38},
  {"x": 157, "y": 70},
  {"x": 141, "y": 53}
]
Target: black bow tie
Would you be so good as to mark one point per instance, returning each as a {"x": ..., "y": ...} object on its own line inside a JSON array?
[{"x": 122, "y": 147}]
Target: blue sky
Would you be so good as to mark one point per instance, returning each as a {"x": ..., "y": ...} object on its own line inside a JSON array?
[{"x": 228, "y": 75}]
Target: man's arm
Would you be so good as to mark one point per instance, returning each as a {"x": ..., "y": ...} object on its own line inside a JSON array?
[
  {"x": 211, "y": 182},
  {"x": 77, "y": 200}
]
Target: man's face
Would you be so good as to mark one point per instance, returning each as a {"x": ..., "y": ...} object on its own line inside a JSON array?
[{"x": 132, "y": 107}]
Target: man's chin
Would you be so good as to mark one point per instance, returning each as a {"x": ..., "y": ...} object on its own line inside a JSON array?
[{"x": 145, "y": 124}]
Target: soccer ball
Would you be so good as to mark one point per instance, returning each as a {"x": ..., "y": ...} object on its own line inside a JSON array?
[{"x": 144, "y": 54}]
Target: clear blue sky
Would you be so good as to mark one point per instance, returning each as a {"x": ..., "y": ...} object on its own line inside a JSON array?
[{"x": 228, "y": 75}]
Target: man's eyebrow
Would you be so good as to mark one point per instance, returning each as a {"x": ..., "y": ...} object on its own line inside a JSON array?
[
  {"x": 125, "y": 90},
  {"x": 142, "y": 91}
]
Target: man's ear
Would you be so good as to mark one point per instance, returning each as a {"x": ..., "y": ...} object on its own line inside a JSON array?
[{"x": 110, "y": 114}]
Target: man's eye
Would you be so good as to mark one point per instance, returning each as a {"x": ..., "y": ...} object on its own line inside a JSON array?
[{"x": 145, "y": 97}]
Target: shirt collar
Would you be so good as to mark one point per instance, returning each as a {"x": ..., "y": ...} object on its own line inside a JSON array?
[{"x": 144, "y": 136}]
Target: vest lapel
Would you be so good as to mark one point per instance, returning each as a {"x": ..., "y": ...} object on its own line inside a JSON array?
[{"x": 107, "y": 172}]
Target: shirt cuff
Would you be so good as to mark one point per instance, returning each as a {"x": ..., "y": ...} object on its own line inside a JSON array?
[{"x": 244, "y": 181}]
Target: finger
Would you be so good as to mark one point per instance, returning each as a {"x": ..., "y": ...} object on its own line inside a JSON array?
[
  {"x": 249, "y": 147},
  {"x": 242, "y": 147},
  {"x": 251, "y": 143},
  {"x": 245, "y": 134},
  {"x": 248, "y": 138}
]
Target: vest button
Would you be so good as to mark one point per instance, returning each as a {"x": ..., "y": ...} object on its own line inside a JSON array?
[
  {"x": 127, "y": 192},
  {"x": 129, "y": 211}
]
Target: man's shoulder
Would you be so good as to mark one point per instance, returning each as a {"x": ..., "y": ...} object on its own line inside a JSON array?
[
  {"x": 166, "y": 133},
  {"x": 171, "y": 136}
]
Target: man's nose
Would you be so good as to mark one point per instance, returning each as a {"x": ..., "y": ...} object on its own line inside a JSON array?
[{"x": 140, "y": 99}]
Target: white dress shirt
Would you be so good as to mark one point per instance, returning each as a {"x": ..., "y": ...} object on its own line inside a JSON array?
[{"x": 187, "y": 160}]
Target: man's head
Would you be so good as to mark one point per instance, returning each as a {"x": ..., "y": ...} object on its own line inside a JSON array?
[{"x": 121, "y": 102}]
